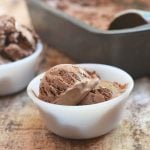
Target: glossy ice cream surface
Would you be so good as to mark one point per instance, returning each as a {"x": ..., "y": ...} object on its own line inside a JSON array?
[{"x": 68, "y": 84}]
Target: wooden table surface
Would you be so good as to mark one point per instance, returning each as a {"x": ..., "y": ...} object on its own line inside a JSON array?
[{"x": 21, "y": 126}]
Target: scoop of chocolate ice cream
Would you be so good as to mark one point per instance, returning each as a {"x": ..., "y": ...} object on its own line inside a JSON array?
[
  {"x": 66, "y": 84},
  {"x": 97, "y": 96},
  {"x": 105, "y": 90},
  {"x": 16, "y": 41},
  {"x": 115, "y": 87}
]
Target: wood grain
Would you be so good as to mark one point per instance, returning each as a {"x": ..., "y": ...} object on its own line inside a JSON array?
[{"x": 22, "y": 128}]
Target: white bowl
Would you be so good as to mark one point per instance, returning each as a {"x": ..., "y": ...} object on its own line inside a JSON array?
[
  {"x": 16, "y": 75},
  {"x": 88, "y": 121}
]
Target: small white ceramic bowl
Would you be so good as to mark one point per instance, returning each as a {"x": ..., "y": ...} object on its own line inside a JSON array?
[
  {"x": 88, "y": 121},
  {"x": 16, "y": 75}
]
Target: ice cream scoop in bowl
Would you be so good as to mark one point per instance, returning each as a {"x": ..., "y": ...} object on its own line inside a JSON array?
[
  {"x": 86, "y": 121},
  {"x": 20, "y": 48}
]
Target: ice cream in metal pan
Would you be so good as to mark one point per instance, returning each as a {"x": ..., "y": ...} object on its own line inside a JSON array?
[{"x": 84, "y": 43}]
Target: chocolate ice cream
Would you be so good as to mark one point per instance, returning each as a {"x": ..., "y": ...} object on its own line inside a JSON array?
[
  {"x": 105, "y": 90},
  {"x": 16, "y": 41},
  {"x": 97, "y": 13},
  {"x": 66, "y": 84}
]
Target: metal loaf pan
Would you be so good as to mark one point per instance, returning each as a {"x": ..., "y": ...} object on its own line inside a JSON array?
[{"x": 128, "y": 49}]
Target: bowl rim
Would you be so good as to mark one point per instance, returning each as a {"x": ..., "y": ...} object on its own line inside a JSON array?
[
  {"x": 118, "y": 98},
  {"x": 38, "y": 50}
]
